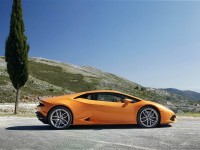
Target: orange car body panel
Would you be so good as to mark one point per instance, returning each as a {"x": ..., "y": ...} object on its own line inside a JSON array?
[{"x": 102, "y": 112}]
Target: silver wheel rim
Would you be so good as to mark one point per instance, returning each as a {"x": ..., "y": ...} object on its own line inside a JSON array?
[
  {"x": 60, "y": 118},
  {"x": 149, "y": 117}
]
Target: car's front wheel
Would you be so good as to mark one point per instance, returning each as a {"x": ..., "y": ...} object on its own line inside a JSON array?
[
  {"x": 60, "y": 117},
  {"x": 148, "y": 117}
]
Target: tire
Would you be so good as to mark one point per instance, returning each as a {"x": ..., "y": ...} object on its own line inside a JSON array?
[
  {"x": 60, "y": 117},
  {"x": 148, "y": 117}
]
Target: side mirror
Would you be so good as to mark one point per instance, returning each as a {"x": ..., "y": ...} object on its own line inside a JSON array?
[{"x": 126, "y": 102}]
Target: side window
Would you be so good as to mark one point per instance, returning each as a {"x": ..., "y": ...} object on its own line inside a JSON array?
[
  {"x": 110, "y": 97},
  {"x": 91, "y": 96},
  {"x": 87, "y": 96}
]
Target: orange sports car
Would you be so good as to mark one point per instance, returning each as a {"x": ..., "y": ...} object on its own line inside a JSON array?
[{"x": 102, "y": 107}]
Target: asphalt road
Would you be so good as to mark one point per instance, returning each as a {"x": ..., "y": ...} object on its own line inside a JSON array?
[{"x": 29, "y": 133}]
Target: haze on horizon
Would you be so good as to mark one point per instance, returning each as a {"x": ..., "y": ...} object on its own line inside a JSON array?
[{"x": 155, "y": 44}]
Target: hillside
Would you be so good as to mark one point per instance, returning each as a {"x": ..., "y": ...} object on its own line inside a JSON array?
[
  {"x": 50, "y": 78},
  {"x": 186, "y": 93}
]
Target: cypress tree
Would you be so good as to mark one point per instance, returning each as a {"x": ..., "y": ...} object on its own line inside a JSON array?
[{"x": 16, "y": 51}]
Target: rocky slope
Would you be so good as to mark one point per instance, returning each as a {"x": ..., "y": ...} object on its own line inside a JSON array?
[{"x": 49, "y": 78}]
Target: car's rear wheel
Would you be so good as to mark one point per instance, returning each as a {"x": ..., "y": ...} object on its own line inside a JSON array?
[
  {"x": 60, "y": 117},
  {"x": 148, "y": 117}
]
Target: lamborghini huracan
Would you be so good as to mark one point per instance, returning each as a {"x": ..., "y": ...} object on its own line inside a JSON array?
[{"x": 102, "y": 107}]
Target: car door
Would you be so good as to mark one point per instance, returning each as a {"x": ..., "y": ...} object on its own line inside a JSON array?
[
  {"x": 109, "y": 109},
  {"x": 84, "y": 110}
]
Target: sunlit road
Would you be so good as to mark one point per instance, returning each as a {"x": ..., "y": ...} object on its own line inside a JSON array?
[{"x": 29, "y": 133}]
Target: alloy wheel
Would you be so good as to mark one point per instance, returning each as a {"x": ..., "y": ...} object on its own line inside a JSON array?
[
  {"x": 60, "y": 118},
  {"x": 148, "y": 117}
]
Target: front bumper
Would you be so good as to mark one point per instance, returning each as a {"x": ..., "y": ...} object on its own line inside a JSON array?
[
  {"x": 168, "y": 117},
  {"x": 41, "y": 117},
  {"x": 173, "y": 118}
]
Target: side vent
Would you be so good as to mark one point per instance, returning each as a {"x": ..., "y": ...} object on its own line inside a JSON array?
[{"x": 87, "y": 119}]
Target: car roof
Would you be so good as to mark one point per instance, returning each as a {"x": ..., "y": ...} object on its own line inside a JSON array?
[{"x": 100, "y": 91}]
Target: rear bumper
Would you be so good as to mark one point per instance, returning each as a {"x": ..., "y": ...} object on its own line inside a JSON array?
[{"x": 41, "y": 117}]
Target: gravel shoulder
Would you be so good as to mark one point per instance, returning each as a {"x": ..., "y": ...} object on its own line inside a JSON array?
[{"x": 8, "y": 108}]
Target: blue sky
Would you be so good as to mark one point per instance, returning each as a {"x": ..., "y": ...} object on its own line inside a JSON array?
[{"x": 155, "y": 44}]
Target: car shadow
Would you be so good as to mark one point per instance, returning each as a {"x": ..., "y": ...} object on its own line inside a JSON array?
[
  {"x": 81, "y": 127},
  {"x": 31, "y": 128}
]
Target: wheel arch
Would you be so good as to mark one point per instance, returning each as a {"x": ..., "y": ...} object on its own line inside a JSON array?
[{"x": 65, "y": 107}]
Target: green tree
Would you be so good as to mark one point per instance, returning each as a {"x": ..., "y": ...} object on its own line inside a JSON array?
[{"x": 16, "y": 51}]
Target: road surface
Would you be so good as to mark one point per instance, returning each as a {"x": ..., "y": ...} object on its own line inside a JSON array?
[{"x": 28, "y": 133}]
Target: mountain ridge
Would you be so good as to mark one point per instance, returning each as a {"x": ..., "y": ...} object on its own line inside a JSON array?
[{"x": 187, "y": 93}]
